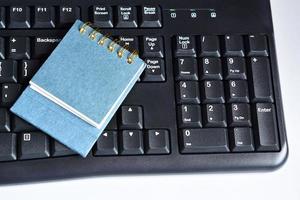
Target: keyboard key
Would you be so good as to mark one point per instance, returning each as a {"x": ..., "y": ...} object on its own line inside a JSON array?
[
  {"x": 28, "y": 69},
  {"x": 185, "y": 46},
  {"x": 157, "y": 142},
  {"x": 4, "y": 120},
  {"x": 44, "y": 17},
  {"x": 212, "y": 92},
  {"x": 10, "y": 93},
  {"x": 19, "y": 17},
  {"x": 131, "y": 117},
  {"x": 107, "y": 144},
  {"x": 131, "y": 142},
  {"x": 189, "y": 116},
  {"x": 214, "y": 115},
  {"x": 150, "y": 17},
  {"x": 235, "y": 68},
  {"x": 241, "y": 140},
  {"x": 2, "y": 18},
  {"x": 43, "y": 46},
  {"x": 265, "y": 132},
  {"x": 211, "y": 69},
  {"x": 187, "y": 92},
  {"x": 8, "y": 71},
  {"x": 102, "y": 16},
  {"x": 257, "y": 45},
  {"x": 186, "y": 69},
  {"x": 68, "y": 15},
  {"x": 131, "y": 42},
  {"x": 233, "y": 45},
  {"x": 205, "y": 140},
  {"x": 152, "y": 47},
  {"x": 58, "y": 149},
  {"x": 8, "y": 143},
  {"x": 237, "y": 91},
  {"x": 239, "y": 115},
  {"x": 33, "y": 145},
  {"x": 20, "y": 125},
  {"x": 261, "y": 80},
  {"x": 126, "y": 17},
  {"x": 2, "y": 48},
  {"x": 209, "y": 46},
  {"x": 19, "y": 48},
  {"x": 155, "y": 70}
]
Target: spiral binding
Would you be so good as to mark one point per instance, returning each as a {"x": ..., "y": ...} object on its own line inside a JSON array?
[{"x": 112, "y": 45}]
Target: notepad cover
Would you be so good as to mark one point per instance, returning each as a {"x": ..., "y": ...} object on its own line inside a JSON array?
[{"x": 84, "y": 76}]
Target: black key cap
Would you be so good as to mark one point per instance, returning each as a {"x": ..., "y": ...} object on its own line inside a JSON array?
[
  {"x": 235, "y": 68},
  {"x": 44, "y": 17},
  {"x": 2, "y": 18},
  {"x": 2, "y": 48},
  {"x": 155, "y": 70},
  {"x": 233, "y": 45},
  {"x": 266, "y": 131},
  {"x": 43, "y": 46},
  {"x": 185, "y": 46},
  {"x": 261, "y": 80},
  {"x": 102, "y": 16},
  {"x": 214, "y": 115},
  {"x": 257, "y": 45},
  {"x": 126, "y": 17},
  {"x": 131, "y": 117},
  {"x": 33, "y": 145},
  {"x": 68, "y": 15},
  {"x": 212, "y": 92},
  {"x": 28, "y": 69},
  {"x": 237, "y": 91},
  {"x": 241, "y": 140},
  {"x": 58, "y": 149},
  {"x": 209, "y": 46},
  {"x": 186, "y": 69},
  {"x": 107, "y": 144},
  {"x": 131, "y": 142},
  {"x": 19, "y": 17},
  {"x": 8, "y": 71},
  {"x": 157, "y": 142},
  {"x": 112, "y": 125},
  {"x": 131, "y": 42},
  {"x": 4, "y": 120},
  {"x": 20, "y": 125},
  {"x": 239, "y": 115},
  {"x": 187, "y": 92},
  {"x": 206, "y": 140},
  {"x": 10, "y": 93},
  {"x": 153, "y": 47},
  {"x": 8, "y": 143},
  {"x": 150, "y": 17},
  {"x": 211, "y": 69},
  {"x": 19, "y": 48},
  {"x": 189, "y": 116}
]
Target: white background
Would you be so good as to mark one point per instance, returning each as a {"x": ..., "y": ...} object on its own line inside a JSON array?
[{"x": 281, "y": 184}]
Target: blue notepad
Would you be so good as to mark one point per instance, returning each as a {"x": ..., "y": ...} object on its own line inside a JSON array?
[{"x": 79, "y": 88}]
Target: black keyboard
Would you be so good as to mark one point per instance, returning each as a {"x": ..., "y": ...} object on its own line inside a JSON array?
[{"x": 209, "y": 99}]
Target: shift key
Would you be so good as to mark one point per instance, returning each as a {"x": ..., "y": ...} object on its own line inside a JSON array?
[
  {"x": 266, "y": 133},
  {"x": 43, "y": 46}
]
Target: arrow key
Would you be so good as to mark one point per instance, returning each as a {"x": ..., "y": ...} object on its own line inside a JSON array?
[
  {"x": 157, "y": 142},
  {"x": 131, "y": 142},
  {"x": 131, "y": 117},
  {"x": 107, "y": 144}
]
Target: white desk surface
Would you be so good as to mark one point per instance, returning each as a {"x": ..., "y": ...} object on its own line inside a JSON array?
[{"x": 281, "y": 184}]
